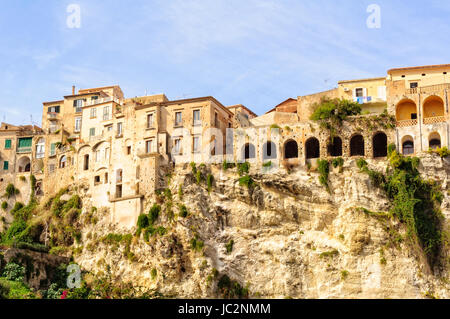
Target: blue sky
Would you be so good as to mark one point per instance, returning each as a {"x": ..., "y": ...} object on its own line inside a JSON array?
[{"x": 253, "y": 52}]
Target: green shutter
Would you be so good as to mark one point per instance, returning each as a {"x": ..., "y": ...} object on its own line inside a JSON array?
[
  {"x": 52, "y": 148},
  {"x": 7, "y": 143},
  {"x": 5, "y": 165},
  {"x": 25, "y": 142}
]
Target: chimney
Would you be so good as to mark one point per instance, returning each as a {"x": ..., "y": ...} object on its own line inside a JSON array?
[{"x": 73, "y": 89}]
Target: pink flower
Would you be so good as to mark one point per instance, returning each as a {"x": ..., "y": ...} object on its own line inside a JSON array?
[{"x": 64, "y": 294}]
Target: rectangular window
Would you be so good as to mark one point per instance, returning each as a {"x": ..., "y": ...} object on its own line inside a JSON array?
[
  {"x": 196, "y": 144},
  {"x": 52, "y": 149},
  {"x": 148, "y": 146},
  {"x": 78, "y": 104},
  {"x": 86, "y": 162},
  {"x": 97, "y": 179},
  {"x": 5, "y": 165},
  {"x": 7, "y": 144},
  {"x": 177, "y": 146},
  {"x": 196, "y": 117},
  {"x": 92, "y": 131},
  {"x": 216, "y": 120},
  {"x": 51, "y": 168},
  {"x": 178, "y": 118},
  {"x": 107, "y": 153},
  {"x": 119, "y": 129},
  {"x": 359, "y": 92},
  {"x": 150, "y": 118},
  {"x": 413, "y": 85},
  {"x": 109, "y": 128},
  {"x": 77, "y": 124},
  {"x": 93, "y": 113},
  {"x": 106, "y": 113},
  {"x": 97, "y": 155},
  {"x": 53, "y": 109},
  {"x": 128, "y": 150},
  {"x": 24, "y": 145},
  {"x": 106, "y": 178},
  {"x": 413, "y": 116}
]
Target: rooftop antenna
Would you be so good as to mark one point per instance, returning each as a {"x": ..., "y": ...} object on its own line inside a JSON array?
[{"x": 183, "y": 96}]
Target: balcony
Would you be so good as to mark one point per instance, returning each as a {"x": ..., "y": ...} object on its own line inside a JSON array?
[
  {"x": 22, "y": 150},
  {"x": 52, "y": 116},
  {"x": 102, "y": 100},
  {"x": 405, "y": 123},
  {"x": 434, "y": 120}
]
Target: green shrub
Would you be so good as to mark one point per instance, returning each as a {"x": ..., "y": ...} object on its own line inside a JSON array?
[
  {"x": 391, "y": 147},
  {"x": 275, "y": 126},
  {"x": 267, "y": 164},
  {"x": 324, "y": 171},
  {"x": 361, "y": 163},
  {"x": 14, "y": 272},
  {"x": 23, "y": 178},
  {"x": 226, "y": 165},
  {"x": 337, "y": 162},
  {"x": 5, "y": 205},
  {"x": 246, "y": 181},
  {"x": 210, "y": 181},
  {"x": 194, "y": 168},
  {"x": 183, "y": 210},
  {"x": 142, "y": 221},
  {"x": 331, "y": 253},
  {"x": 11, "y": 190},
  {"x": 229, "y": 246},
  {"x": 196, "y": 244},
  {"x": 243, "y": 168},
  {"x": 344, "y": 274},
  {"x": 4, "y": 290},
  {"x": 154, "y": 273},
  {"x": 154, "y": 214},
  {"x": 231, "y": 289},
  {"x": 198, "y": 177}
]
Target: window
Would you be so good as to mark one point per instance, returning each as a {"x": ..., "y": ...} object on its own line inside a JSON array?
[
  {"x": 78, "y": 104},
  {"x": 97, "y": 179},
  {"x": 150, "y": 118},
  {"x": 178, "y": 119},
  {"x": 52, "y": 149},
  {"x": 5, "y": 165},
  {"x": 7, "y": 144},
  {"x": 86, "y": 162},
  {"x": 119, "y": 176},
  {"x": 359, "y": 92},
  {"x": 177, "y": 146},
  {"x": 107, "y": 153},
  {"x": 77, "y": 124},
  {"x": 40, "y": 148},
  {"x": 128, "y": 150},
  {"x": 148, "y": 146},
  {"x": 106, "y": 112},
  {"x": 106, "y": 178},
  {"x": 118, "y": 191},
  {"x": 196, "y": 144},
  {"x": 94, "y": 98},
  {"x": 97, "y": 155},
  {"x": 413, "y": 85},
  {"x": 93, "y": 112},
  {"x": 53, "y": 109},
  {"x": 196, "y": 117},
  {"x": 413, "y": 116},
  {"x": 109, "y": 128},
  {"x": 63, "y": 162},
  {"x": 51, "y": 168},
  {"x": 92, "y": 131},
  {"x": 119, "y": 129}
]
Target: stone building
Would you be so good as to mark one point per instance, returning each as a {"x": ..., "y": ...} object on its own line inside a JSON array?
[{"x": 118, "y": 150}]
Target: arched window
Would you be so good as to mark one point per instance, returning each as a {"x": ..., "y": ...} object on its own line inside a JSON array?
[
  {"x": 407, "y": 145},
  {"x": 357, "y": 146},
  {"x": 380, "y": 145},
  {"x": 335, "y": 147},
  {"x": 63, "y": 161},
  {"x": 406, "y": 110},
  {"x": 433, "y": 110},
  {"x": 312, "y": 148},
  {"x": 24, "y": 164},
  {"x": 290, "y": 149},
  {"x": 249, "y": 151},
  {"x": 269, "y": 150},
  {"x": 434, "y": 140}
]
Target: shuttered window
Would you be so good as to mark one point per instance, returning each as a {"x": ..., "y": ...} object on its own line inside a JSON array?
[
  {"x": 7, "y": 144},
  {"x": 5, "y": 165}
]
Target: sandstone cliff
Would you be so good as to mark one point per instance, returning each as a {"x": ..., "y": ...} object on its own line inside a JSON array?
[{"x": 285, "y": 236}]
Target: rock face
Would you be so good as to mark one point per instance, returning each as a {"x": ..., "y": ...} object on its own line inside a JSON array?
[{"x": 291, "y": 238}]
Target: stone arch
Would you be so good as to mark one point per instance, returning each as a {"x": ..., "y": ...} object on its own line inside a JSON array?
[
  {"x": 24, "y": 164},
  {"x": 357, "y": 145},
  {"x": 433, "y": 106},
  {"x": 334, "y": 147},
  {"x": 62, "y": 161},
  {"x": 269, "y": 150},
  {"x": 248, "y": 151},
  {"x": 434, "y": 140},
  {"x": 379, "y": 145},
  {"x": 406, "y": 109},
  {"x": 290, "y": 149},
  {"x": 407, "y": 145},
  {"x": 312, "y": 147}
]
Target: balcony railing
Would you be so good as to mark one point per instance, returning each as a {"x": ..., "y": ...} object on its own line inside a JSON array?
[
  {"x": 429, "y": 89},
  {"x": 21, "y": 150},
  {"x": 404, "y": 123},
  {"x": 433, "y": 120},
  {"x": 102, "y": 100},
  {"x": 52, "y": 115}
]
